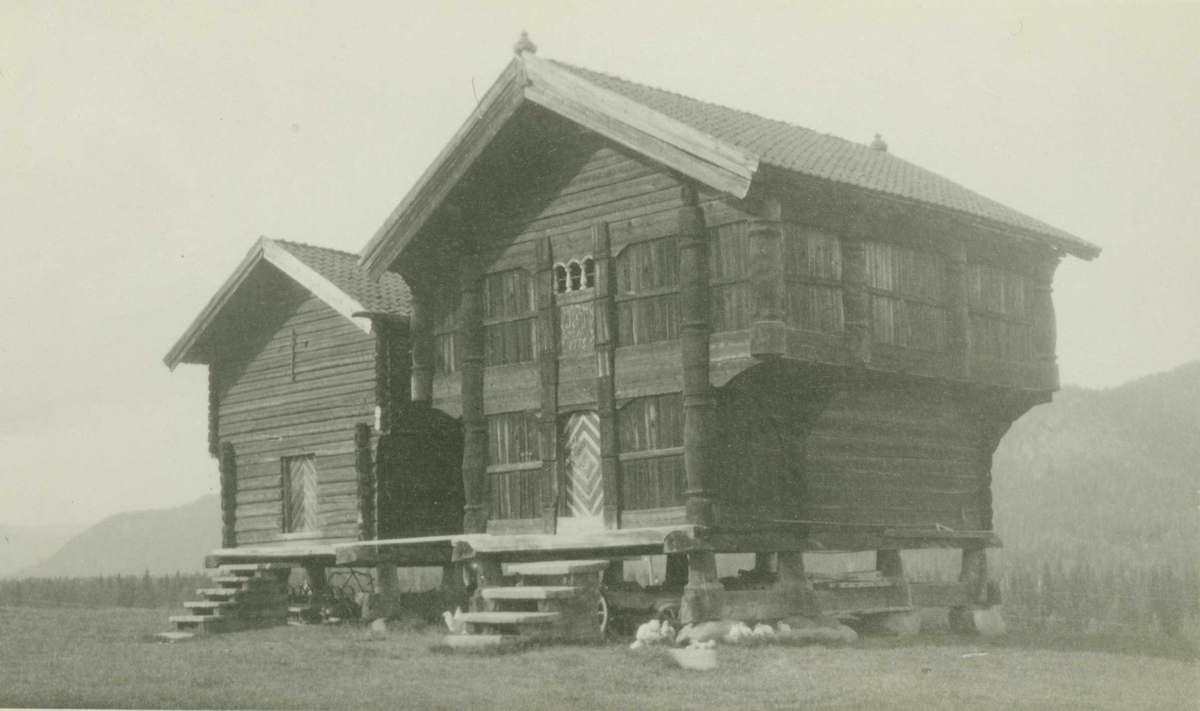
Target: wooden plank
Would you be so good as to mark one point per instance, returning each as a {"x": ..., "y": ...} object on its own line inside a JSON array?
[
  {"x": 510, "y": 618},
  {"x": 531, "y": 592},
  {"x": 652, "y": 518},
  {"x": 650, "y": 369}
]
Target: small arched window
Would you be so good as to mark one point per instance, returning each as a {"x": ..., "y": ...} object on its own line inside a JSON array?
[
  {"x": 560, "y": 278},
  {"x": 589, "y": 272},
  {"x": 576, "y": 272}
]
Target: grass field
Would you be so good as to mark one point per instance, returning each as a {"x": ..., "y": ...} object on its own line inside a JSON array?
[{"x": 105, "y": 659}]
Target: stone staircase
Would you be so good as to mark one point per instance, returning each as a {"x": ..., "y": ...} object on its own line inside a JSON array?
[
  {"x": 555, "y": 601},
  {"x": 246, "y": 596}
]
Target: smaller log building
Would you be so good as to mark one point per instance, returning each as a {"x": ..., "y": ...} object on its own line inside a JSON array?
[{"x": 308, "y": 364}]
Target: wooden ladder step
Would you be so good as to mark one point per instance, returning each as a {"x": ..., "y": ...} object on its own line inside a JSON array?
[
  {"x": 531, "y": 592},
  {"x": 510, "y": 618},
  {"x": 213, "y": 608},
  {"x": 480, "y": 642},
  {"x": 556, "y": 567}
]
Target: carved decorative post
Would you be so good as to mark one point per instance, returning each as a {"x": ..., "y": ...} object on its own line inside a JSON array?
[
  {"x": 1045, "y": 330},
  {"x": 420, "y": 322},
  {"x": 768, "y": 337},
  {"x": 228, "y": 469},
  {"x": 855, "y": 300},
  {"x": 547, "y": 334},
  {"x": 958, "y": 312},
  {"x": 365, "y": 469},
  {"x": 214, "y": 411},
  {"x": 694, "y": 312},
  {"x": 605, "y": 318},
  {"x": 475, "y": 435},
  {"x": 383, "y": 372}
]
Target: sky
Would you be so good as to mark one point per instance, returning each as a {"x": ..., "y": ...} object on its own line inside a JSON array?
[{"x": 144, "y": 147}]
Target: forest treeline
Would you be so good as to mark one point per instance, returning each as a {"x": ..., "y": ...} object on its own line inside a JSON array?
[{"x": 147, "y": 591}]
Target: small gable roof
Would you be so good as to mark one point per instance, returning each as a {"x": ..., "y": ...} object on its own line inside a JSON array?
[
  {"x": 719, "y": 147},
  {"x": 329, "y": 274}
]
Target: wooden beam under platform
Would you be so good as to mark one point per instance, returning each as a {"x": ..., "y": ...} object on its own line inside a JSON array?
[
  {"x": 300, "y": 555},
  {"x": 824, "y": 538},
  {"x": 617, "y": 543},
  {"x": 404, "y": 552}
]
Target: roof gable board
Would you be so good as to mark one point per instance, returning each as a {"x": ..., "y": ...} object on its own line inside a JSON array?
[
  {"x": 271, "y": 252},
  {"x": 711, "y": 161}
]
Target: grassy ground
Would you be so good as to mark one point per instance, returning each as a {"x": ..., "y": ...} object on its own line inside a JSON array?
[{"x": 104, "y": 658}]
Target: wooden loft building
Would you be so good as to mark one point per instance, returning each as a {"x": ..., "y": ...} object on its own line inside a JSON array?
[
  {"x": 308, "y": 364},
  {"x": 670, "y": 326}
]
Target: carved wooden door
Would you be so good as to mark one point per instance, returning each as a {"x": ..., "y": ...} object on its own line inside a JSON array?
[{"x": 583, "y": 483}]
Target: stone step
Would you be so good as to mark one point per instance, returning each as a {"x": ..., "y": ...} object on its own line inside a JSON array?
[
  {"x": 556, "y": 567},
  {"x": 199, "y": 624},
  {"x": 510, "y": 618},
  {"x": 175, "y": 636},
  {"x": 239, "y": 594},
  {"x": 531, "y": 592},
  {"x": 208, "y": 608},
  {"x": 480, "y": 642}
]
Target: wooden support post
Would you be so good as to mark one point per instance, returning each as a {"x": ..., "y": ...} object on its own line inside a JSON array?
[
  {"x": 420, "y": 323},
  {"x": 695, "y": 322},
  {"x": 606, "y": 402},
  {"x": 318, "y": 584},
  {"x": 890, "y": 565},
  {"x": 768, "y": 336},
  {"x": 388, "y": 580},
  {"x": 676, "y": 574},
  {"x": 228, "y": 468},
  {"x": 214, "y": 411},
  {"x": 958, "y": 325},
  {"x": 1045, "y": 330},
  {"x": 982, "y": 614},
  {"x": 383, "y": 370},
  {"x": 364, "y": 467},
  {"x": 475, "y": 435},
  {"x": 547, "y": 335},
  {"x": 764, "y": 563},
  {"x": 794, "y": 584},
  {"x": 855, "y": 300},
  {"x": 703, "y": 596},
  {"x": 974, "y": 575},
  {"x": 488, "y": 574}
]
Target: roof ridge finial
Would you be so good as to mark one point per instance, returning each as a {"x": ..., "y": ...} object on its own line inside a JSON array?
[
  {"x": 524, "y": 45},
  {"x": 879, "y": 144}
]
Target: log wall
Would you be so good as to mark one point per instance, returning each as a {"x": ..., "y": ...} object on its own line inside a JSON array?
[{"x": 300, "y": 391}]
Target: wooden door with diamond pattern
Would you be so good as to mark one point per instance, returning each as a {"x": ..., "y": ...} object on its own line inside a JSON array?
[{"x": 583, "y": 484}]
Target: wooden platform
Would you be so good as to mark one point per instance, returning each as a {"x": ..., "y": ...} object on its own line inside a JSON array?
[{"x": 296, "y": 555}]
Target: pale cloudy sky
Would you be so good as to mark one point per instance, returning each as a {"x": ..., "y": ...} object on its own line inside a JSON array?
[{"x": 143, "y": 148}]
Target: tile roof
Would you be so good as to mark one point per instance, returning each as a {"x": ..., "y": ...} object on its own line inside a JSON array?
[
  {"x": 808, "y": 152},
  {"x": 388, "y": 295}
]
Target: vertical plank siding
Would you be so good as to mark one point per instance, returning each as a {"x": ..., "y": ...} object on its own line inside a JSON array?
[
  {"x": 908, "y": 305},
  {"x": 1001, "y": 319},
  {"x": 647, "y": 292},
  {"x": 812, "y": 274},
  {"x": 509, "y": 318},
  {"x": 299, "y": 392},
  {"x": 515, "y": 491},
  {"x": 650, "y": 441}
]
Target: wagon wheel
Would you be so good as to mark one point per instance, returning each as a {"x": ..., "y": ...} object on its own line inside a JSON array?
[
  {"x": 602, "y": 614},
  {"x": 668, "y": 612}
]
